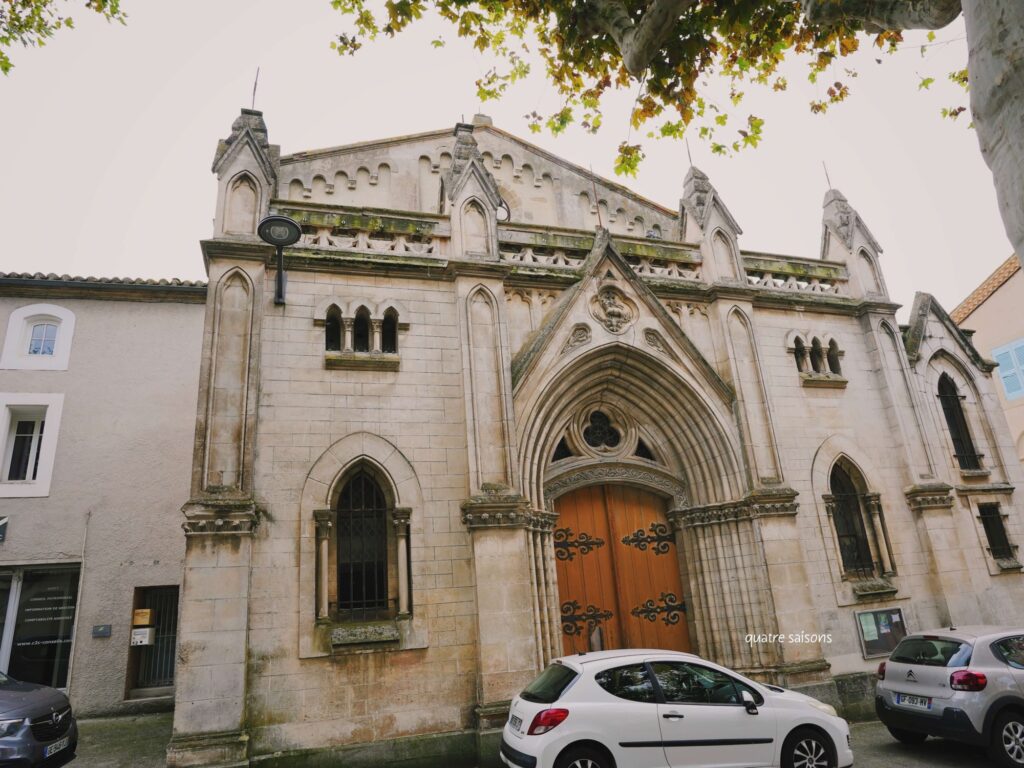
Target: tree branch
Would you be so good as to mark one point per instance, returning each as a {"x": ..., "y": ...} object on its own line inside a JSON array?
[
  {"x": 878, "y": 15},
  {"x": 639, "y": 42}
]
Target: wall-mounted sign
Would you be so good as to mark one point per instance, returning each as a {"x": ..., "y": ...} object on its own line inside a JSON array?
[
  {"x": 143, "y": 636},
  {"x": 142, "y": 617},
  {"x": 101, "y": 630},
  {"x": 880, "y": 631}
]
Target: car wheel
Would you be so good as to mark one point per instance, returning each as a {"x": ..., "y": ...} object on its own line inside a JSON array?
[
  {"x": 807, "y": 748},
  {"x": 583, "y": 757},
  {"x": 908, "y": 737},
  {"x": 1008, "y": 740}
]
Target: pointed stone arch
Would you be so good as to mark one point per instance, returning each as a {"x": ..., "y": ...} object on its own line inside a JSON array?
[
  {"x": 694, "y": 440},
  {"x": 242, "y": 204},
  {"x": 227, "y": 411},
  {"x": 394, "y": 473}
]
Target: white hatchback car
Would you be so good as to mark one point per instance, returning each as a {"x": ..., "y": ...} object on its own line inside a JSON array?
[
  {"x": 661, "y": 709},
  {"x": 963, "y": 683}
]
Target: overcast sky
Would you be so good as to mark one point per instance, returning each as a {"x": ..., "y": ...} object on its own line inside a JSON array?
[{"x": 108, "y": 134}]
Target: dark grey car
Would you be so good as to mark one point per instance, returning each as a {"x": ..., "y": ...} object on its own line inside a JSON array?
[{"x": 36, "y": 726}]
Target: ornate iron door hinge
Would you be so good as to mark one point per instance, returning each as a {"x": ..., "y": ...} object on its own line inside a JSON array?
[
  {"x": 573, "y": 619},
  {"x": 671, "y": 607},
  {"x": 660, "y": 539},
  {"x": 565, "y": 544}
]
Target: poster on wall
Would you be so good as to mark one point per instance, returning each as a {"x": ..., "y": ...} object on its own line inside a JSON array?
[
  {"x": 41, "y": 650},
  {"x": 880, "y": 631}
]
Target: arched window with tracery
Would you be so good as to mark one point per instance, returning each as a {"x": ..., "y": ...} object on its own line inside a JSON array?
[
  {"x": 956, "y": 421},
  {"x": 332, "y": 330},
  {"x": 817, "y": 356},
  {"x": 848, "y": 519},
  {"x": 857, "y": 520},
  {"x": 832, "y": 357},
  {"x": 362, "y": 550},
  {"x": 361, "y": 330},
  {"x": 389, "y": 332},
  {"x": 800, "y": 354}
]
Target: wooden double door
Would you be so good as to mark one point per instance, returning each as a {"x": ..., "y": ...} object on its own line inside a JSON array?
[{"x": 618, "y": 570}]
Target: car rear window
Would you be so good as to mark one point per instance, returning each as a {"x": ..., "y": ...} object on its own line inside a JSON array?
[
  {"x": 932, "y": 652},
  {"x": 632, "y": 682},
  {"x": 550, "y": 685}
]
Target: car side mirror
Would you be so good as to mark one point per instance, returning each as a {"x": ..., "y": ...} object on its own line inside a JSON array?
[{"x": 748, "y": 702}]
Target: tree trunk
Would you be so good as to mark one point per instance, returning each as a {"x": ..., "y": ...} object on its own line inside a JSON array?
[{"x": 995, "y": 39}]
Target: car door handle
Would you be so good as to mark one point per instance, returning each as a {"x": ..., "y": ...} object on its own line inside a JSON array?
[{"x": 673, "y": 716}]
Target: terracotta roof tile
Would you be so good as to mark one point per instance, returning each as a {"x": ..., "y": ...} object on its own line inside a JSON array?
[
  {"x": 981, "y": 294},
  {"x": 102, "y": 280}
]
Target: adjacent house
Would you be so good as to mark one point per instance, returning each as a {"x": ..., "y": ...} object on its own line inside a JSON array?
[
  {"x": 98, "y": 382},
  {"x": 993, "y": 314}
]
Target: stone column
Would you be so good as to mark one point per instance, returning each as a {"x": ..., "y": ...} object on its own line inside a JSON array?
[
  {"x": 954, "y": 598},
  {"x": 873, "y": 504},
  {"x": 376, "y": 327},
  {"x": 506, "y": 624},
  {"x": 400, "y": 517},
  {"x": 745, "y": 567},
  {"x": 324, "y": 519},
  {"x": 348, "y": 325},
  {"x": 209, "y": 712}
]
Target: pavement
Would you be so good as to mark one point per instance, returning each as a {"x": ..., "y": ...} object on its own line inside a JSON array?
[
  {"x": 124, "y": 742},
  {"x": 139, "y": 742}
]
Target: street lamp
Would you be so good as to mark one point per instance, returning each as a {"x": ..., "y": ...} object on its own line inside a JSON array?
[{"x": 279, "y": 231}]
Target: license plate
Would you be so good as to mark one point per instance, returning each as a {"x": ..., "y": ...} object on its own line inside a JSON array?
[
  {"x": 516, "y": 722},
  {"x": 908, "y": 700},
  {"x": 57, "y": 746}
]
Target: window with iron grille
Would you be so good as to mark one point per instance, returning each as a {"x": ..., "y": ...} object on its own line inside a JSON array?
[
  {"x": 362, "y": 548},
  {"x": 995, "y": 531},
  {"x": 156, "y": 662},
  {"x": 952, "y": 408},
  {"x": 848, "y": 519}
]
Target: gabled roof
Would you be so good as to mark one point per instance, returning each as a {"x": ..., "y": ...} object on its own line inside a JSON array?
[
  {"x": 479, "y": 128},
  {"x": 983, "y": 292},
  {"x": 604, "y": 248},
  {"x": 926, "y": 305}
]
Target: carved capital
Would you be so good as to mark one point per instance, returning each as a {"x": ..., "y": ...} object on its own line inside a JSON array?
[
  {"x": 760, "y": 504},
  {"x": 236, "y": 517},
  {"x": 543, "y": 521},
  {"x": 400, "y": 517},
  {"x": 929, "y": 496},
  {"x": 324, "y": 522},
  {"x": 873, "y": 503},
  {"x": 712, "y": 514},
  {"x": 496, "y": 511}
]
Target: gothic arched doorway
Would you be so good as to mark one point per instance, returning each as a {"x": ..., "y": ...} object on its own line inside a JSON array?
[{"x": 619, "y": 582}]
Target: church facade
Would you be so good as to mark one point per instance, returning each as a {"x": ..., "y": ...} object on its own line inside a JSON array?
[{"x": 506, "y": 410}]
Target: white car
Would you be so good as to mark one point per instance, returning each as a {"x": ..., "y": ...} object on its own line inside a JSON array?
[
  {"x": 661, "y": 709},
  {"x": 962, "y": 683}
]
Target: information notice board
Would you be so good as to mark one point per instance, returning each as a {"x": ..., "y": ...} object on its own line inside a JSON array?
[{"x": 880, "y": 631}]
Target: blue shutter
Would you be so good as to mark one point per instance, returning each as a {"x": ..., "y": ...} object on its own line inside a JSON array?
[{"x": 1010, "y": 358}]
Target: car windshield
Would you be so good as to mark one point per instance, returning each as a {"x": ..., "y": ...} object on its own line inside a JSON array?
[
  {"x": 932, "y": 652},
  {"x": 550, "y": 685}
]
